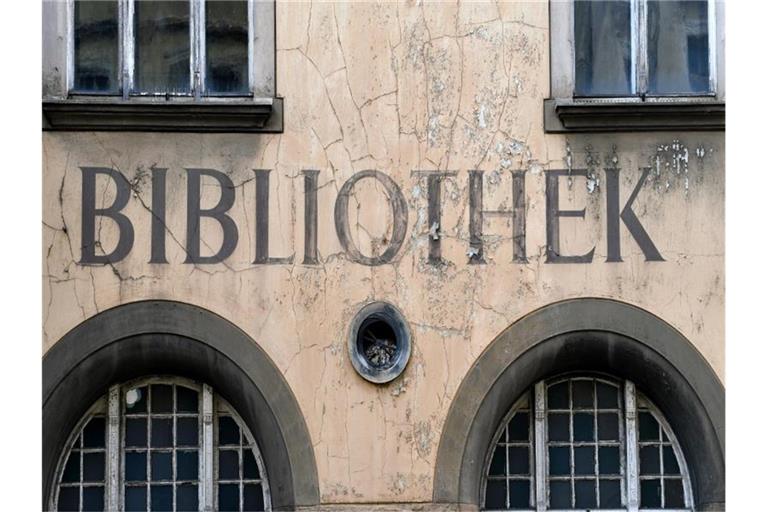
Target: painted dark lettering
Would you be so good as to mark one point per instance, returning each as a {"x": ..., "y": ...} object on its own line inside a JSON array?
[
  {"x": 399, "y": 209},
  {"x": 90, "y": 212},
  {"x": 218, "y": 212},
  {"x": 158, "y": 217},
  {"x": 434, "y": 211},
  {"x": 310, "y": 217},
  {"x": 628, "y": 217},
  {"x": 553, "y": 217},
  {"x": 262, "y": 222}
]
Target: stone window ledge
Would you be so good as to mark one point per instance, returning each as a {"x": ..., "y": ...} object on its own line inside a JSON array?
[
  {"x": 150, "y": 115},
  {"x": 569, "y": 115}
]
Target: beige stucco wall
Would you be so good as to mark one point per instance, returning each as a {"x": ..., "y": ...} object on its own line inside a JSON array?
[{"x": 396, "y": 87}]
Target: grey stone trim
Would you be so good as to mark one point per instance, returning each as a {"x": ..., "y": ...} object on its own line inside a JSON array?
[
  {"x": 159, "y": 115},
  {"x": 594, "y": 335},
  {"x": 164, "y": 337},
  {"x": 566, "y": 115}
]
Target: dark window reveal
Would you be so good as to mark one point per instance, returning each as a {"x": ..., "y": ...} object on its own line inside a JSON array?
[
  {"x": 96, "y": 51},
  {"x": 226, "y": 47}
]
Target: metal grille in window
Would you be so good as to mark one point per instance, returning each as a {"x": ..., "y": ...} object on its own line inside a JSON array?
[
  {"x": 150, "y": 445},
  {"x": 584, "y": 443}
]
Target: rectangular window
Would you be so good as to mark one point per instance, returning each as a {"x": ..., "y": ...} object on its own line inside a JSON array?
[
  {"x": 226, "y": 47},
  {"x": 96, "y": 48},
  {"x": 642, "y": 48}
]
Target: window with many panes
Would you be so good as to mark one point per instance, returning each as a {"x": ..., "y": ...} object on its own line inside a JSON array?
[
  {"x": 195, "y": 48},
  {"x": 161, "y": 444},
  {"x": 584, "y": 443}
]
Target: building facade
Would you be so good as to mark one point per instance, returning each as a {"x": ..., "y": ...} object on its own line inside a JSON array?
[{"x": 383, "y": 256}]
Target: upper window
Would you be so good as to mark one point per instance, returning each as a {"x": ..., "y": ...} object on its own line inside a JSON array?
[
  {"x": 166, "y": 48},
  {"x": 583, "y": 443},
  {"x": 161, "y": 444},
  {"x": 643, "y": 47}
]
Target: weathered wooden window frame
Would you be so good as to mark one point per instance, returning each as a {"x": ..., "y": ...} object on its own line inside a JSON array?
[
  {"x": 629, "y": 456},
  {"x": 211, "y": 406},
  {"x": 566, "y": 112},
  {"x": 65, "y": 108}
]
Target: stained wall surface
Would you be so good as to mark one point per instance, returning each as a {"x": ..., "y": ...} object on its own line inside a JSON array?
[{"x": 396, "y": 87}]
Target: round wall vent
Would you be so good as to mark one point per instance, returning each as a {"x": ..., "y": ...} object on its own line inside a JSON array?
[{"x": 379, "y": 342}]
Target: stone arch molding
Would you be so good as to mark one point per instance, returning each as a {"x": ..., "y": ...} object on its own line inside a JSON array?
[
  {"x": 586, "y": 334},
  {"x": 164, "y": 337}
]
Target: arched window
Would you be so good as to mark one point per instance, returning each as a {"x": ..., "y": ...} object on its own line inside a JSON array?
[
  {"x": 582, "y": 443},
  {"x": 161, "y": 444}
]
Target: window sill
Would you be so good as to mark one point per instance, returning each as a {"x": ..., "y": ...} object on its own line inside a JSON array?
[
  {"x": 567, "y": 115},
  {"x": 151, "y": 115}
]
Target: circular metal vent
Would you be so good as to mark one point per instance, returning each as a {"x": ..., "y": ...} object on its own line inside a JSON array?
[{"x": 379, "y": 342}]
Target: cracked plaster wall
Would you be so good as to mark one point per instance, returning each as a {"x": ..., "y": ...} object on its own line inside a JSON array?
[{"x": 396, "y": 87}]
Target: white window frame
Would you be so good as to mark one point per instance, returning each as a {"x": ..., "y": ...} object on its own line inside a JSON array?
[
  {"x": 563, "y": 60},
  {"x": 261, "y": 53},
  {"x": 211, "y": 406},
  {"x": 629, "y": 458}
]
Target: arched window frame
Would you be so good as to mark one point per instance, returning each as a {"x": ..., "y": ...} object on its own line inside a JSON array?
[
  {"x": 211, "y": 406},
  {"x": 534, "y": 399}
]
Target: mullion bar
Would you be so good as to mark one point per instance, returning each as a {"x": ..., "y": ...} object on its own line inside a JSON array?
[
  {"x": 596, "y": 450},
  {"x": 573, "y": 453}
]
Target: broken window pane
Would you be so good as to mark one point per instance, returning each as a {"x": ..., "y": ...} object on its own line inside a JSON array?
[
  {"x": 678, "y": 47},
  {"x": 96, "y": 52},
  {"x": 226, "y": 47},
  {"x": 162, "y": 47},
  {"x": 603, "y": 45}
]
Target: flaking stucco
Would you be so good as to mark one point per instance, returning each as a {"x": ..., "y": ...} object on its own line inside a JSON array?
[{"x": 396, "y": 87}]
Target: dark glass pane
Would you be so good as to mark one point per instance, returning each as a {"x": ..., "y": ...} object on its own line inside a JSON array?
[
  {"x": 69, "y": 498},
  {"x": 93, "y": 433},
  {"x": 649, "y": 460},
  {"x": 229, "y": 497},
  {"x": 161, "y": 497},
  {"x": 253, "y": 498},
  {"x": 161, "y": 466},
  {"x": 671, "y": 466},
  {"x": 519, "y": 494},
  {"x": 650, "y": 493},
  {"x": 678, "y": 47},
  {"x": 498, "y": 462},
  {"x": 162, "y": 398},
  {"x": 93, "y": 498},
  {"x": 136, "y": 400},
  {"x": 583, "y": 427},
  {"x": 649, "y": 428},
  {"x": 518, "y": 427},
  {"x": 558, "y": 426},
  {"x": 557, "y": 396},
  {"x": 226, "y": 42},
  {"x": 608, "y": 458},
  {"x": 93, "y": 467},
  {"x": 162, "y": 49},
  {"x": 228, "y": 465},
  {"x": 136, "y": 432},
  {"x": 582, "y": 393},
  {"x": 607, "y": 396},
  {"x": 250, "y": 468},
  {"x": 610, "y": 493},
  {"x": 186, "y": 399},
  {"x": 584, "y": 460},
  {"x": 186, "y": 465},
  {"x": 229, "y": 432},
  {"x": 186, "y": 498},
  {"x": 673, "y": 494},
  {"x": 72, "y": 468},
  {"x": 96, "y": 46},
  {"x": 586, "y": 496},
  {"x": 135, "y": 499},
  {"x": 560, "y": 494},
  {"x": 518, "y": 460},
  {"x": 186, "y": 432},
  {"x": 603, "y": 42},
  {"x": 559, "y": 460},
  {"x": 608, "y": 426},
  {"x": 162, "y": 433},
  {"x": 496, "y": 494},
  {"x": 136, "y": 466}
]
